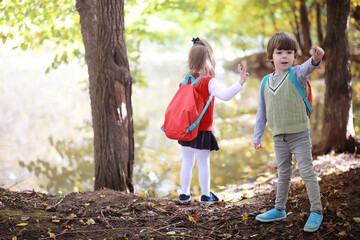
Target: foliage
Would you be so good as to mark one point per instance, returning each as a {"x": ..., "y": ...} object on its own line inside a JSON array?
[
  {"x": 43, "y": 22},
  {"x": 238, "y": 25},
  {"x": 33, "y": 24}
]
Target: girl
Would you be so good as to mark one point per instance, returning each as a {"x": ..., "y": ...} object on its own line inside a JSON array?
[{"x": 201, "y": 62}]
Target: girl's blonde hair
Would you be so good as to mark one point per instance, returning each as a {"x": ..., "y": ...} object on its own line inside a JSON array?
[{"x": 201, "y": 58}]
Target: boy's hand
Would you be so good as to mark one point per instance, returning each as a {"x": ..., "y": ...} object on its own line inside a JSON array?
[
  {"x": 243, "y": 74},
  {"x": 258, "y": 146},
  {"x": 318, "y": 54}
]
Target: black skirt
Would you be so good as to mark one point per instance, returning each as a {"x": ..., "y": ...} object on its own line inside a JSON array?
[{"x": 204, "y": 140}]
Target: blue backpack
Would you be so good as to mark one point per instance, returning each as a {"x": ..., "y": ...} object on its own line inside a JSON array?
[{"x": 307, "y": 100}]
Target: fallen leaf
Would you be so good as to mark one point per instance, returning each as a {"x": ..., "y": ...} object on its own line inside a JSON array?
[
  {"x": 357, "y": 219},
  {"x": 340, "y": 215},
  {"x": 40, "y": 195},
  {"x": 163, "y": 203},
  {"x": 21, "y": 224},
  {"x": 150, "y": 204},
  {"x": 7, "y": 190},
  {"x": 221, "y": 202},
  {"x": 330, "y": 227},
  {"x": 72, "y": 215},
  {"x": 191, "y": 219},
  {"x": 14, "y": 238},
  {"x": 162, "y": 210},
  {"x": 245, "y": 217},
  {"x": 141, "y": 195},
  {"x": 55, "y": 220},
  {"x": 51, "y": 235},
  {"x": 79, "y": 197},
  {"x": 342, "y": 233},
  {"x": 196, "y": 217},
  {"x": 90, "y": 221},
  {"x": 24, "y": 218},
  {"x": 261, "y": 209},
  {"x": 66, "y": 226}
]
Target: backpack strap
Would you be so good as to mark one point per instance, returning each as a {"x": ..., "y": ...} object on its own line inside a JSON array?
[
  {"x": 193, "y": 80},
  {"x": 201, "y": 115},
  {"x": 298, "y": 87},
  {"x": 265, "y": 79},
  {"x": 300, "y": 90}
]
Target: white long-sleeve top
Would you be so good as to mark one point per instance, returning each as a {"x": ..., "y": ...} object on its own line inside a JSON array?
[{"x": 222, "y": 92}]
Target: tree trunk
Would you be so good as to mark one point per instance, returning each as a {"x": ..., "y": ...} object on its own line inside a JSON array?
[
  {"x": 115, "y": 143},
  {"x": 296, "y": 27},
  {"x": 102, "y": 28},
  {"x": 319, "y": 29},
  {"x": 305, "y": 27},
  {"x": 88, "y": 22},
  {"x": 338, "y": 132}
]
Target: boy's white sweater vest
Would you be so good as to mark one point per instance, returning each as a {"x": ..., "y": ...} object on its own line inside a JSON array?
[{"x": 285, "y": 109}]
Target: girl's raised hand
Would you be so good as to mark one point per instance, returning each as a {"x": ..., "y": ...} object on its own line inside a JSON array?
[{"x": 243, "y": 74}]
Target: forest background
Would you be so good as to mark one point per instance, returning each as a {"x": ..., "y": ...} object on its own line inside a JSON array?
[{"x": 46, "y": 133}]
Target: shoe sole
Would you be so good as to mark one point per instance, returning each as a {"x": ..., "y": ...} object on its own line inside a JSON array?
[
  {"x": 270, "y": 220},
  {"x": 209, "y": 202},
  {"x": 310, "y": 229},
  {"x": 184, "y": 201}
]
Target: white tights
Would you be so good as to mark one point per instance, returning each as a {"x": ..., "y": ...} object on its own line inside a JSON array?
[{"x": 203, "y": 162}]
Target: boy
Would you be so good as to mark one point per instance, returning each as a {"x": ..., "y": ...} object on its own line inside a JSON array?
[{"x": 281, "y": 105}]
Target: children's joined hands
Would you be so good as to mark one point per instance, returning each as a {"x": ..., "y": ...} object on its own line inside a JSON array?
[{"x": 243, "y": 74}]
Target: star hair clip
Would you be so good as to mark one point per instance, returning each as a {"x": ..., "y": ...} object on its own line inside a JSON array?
[{"x": 195, "y": 40}]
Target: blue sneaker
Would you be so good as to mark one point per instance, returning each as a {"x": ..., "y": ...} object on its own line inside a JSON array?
[
  {"x": 271, "y": 215},
  {"x": 183, "y": 198},
  {"x": 209, "y": 199},
  {"x": 313, "y": 223}
]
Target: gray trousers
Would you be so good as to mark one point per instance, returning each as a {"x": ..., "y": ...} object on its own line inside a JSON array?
[{"x": 300, "y": 145}]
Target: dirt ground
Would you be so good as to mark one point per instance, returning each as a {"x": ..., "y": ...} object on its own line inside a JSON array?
[{"x": 110, "y": 214}]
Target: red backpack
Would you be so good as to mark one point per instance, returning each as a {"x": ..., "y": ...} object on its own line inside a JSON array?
[{"x": 185, "y": 111}]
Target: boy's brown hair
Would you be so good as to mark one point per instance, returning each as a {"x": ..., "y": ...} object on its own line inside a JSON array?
[{"x": 281, "y": 41}]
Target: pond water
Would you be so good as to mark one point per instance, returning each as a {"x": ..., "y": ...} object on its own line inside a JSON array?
[{"x": 45, "y": 130}]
